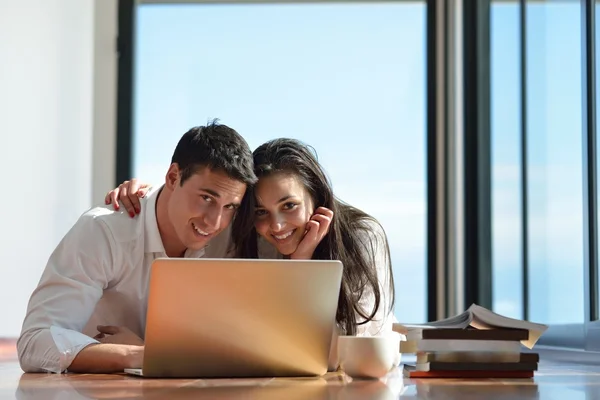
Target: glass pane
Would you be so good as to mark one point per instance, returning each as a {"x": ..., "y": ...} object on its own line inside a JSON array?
[
  {"x": 554, "y": 107},
  {"x": 348, "y": 79},
  {"x": 507, "y": 276},
  {"x": 597, "y": 37}
]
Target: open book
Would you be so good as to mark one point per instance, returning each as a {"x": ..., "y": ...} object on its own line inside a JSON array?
[{"x": 479, "y": 318}]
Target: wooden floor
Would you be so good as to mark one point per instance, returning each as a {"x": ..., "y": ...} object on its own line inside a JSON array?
[{"x": 552, "y": 381}]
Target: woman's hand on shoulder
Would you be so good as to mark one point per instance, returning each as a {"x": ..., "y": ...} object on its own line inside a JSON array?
[
  {"x": 316, "y": 229},
  {"x": 129, "y": 193}
]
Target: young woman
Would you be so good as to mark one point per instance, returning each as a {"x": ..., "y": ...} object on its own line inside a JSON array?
[{"x": 292, "y": 213}]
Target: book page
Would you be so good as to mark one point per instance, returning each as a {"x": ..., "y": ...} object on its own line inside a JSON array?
[
  {"x": 486, "y": 319},
  {"x": 459, "y": 321}
]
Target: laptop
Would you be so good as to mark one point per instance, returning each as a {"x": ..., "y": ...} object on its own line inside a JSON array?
[{"x": 235, "y": 318}]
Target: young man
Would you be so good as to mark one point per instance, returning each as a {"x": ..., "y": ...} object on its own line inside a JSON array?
[{"x": 88, "y": 312}]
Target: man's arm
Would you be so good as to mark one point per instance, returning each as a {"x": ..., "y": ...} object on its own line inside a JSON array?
[
  {"x": 107, "y": 358},
  {"x": 77, "y": 272}
]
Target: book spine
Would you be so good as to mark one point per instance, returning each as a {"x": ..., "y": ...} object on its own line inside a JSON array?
[
  {"x": 469, "y": 374},
  {"x": 466, "y": 366},
  {"x": 435, "y": 345}
]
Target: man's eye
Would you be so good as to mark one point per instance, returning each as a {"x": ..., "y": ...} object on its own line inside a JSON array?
[{"x": 206, "y": 198}]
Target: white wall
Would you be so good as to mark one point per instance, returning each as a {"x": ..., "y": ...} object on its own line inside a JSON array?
[{"x": 57, "y": 85}]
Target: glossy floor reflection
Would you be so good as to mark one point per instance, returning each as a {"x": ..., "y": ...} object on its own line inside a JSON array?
[{"x": 552, "y": 381}]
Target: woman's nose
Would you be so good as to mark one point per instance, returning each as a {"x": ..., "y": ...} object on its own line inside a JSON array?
[{"x": 277, "y": 225}]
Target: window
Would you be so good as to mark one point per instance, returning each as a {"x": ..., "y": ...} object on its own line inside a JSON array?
[
  {"x": 554, "y": 165},
  {"x": 554, "y": 104},
  {"x": 507, "y": 265},
  {"x": 348, "y": 79}
]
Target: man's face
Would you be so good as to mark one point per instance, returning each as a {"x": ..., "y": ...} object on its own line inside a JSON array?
[{"x": 204, "y": 206}]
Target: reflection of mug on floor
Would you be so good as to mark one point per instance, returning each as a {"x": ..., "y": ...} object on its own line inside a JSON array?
[
  {"x": 369, "y": 357},
  {"x": 360, "y": 389}
]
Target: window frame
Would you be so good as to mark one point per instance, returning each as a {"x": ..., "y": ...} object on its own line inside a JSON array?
[{"x": 585, "y": 335}]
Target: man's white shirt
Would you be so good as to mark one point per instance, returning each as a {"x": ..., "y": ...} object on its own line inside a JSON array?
[{"x": 97, "y": 275}]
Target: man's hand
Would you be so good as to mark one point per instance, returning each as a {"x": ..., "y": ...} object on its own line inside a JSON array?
[
  {"x": 117, "y": 335},
  {"x": 316, "y": 229}
]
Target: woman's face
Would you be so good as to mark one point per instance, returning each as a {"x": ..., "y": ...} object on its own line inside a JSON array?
[{"x": 283, "y": 207}]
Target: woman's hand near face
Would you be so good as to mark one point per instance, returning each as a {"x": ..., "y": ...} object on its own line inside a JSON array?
[
  {"x": 316, "y": 229},
  {"x": 129, "y": 193}
]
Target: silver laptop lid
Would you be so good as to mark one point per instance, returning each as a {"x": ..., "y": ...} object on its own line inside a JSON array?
[{"x": 240, "y": 318}]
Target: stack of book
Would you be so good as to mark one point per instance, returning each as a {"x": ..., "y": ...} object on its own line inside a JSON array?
[{"x": 475, "y": 344}]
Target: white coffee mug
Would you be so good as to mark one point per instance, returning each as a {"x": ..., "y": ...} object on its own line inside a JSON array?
[{"x": 369, "y": 357}]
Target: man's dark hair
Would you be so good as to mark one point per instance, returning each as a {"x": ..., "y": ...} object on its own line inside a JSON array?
[{"x": 217, "y": 147}]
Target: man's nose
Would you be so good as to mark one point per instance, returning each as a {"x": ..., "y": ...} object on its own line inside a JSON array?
[{"x": 212, "y": 219}]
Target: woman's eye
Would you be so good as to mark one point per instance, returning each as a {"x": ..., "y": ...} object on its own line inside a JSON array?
[
  {"x": 260, "y": 213},
  {"x": 289, "y": 206}
]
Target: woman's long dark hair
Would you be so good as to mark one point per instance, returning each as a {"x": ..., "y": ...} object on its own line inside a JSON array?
[{"x": 345, "y": 240}]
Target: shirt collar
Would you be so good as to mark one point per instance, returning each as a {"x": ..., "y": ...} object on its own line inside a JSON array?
[
  {"x": 152, "y": 240},
  {"x": 189, "y": 253}
]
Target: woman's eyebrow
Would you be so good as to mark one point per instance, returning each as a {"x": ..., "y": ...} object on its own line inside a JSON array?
[{"x": 281, "y": 200}]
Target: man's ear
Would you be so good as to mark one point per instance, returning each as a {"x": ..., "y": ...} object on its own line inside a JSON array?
[{"x": 173, "y": 176}]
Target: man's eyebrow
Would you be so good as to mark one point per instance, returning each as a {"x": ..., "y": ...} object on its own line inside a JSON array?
[
  {"x": 211, "y": 192},
  {"x": 217, "y": 195}
]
